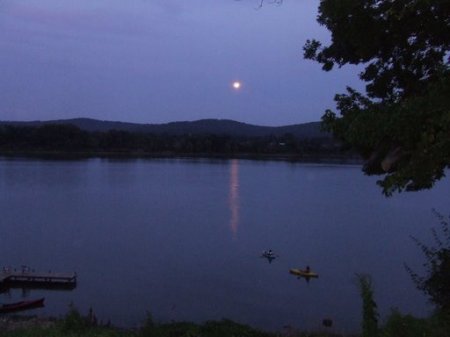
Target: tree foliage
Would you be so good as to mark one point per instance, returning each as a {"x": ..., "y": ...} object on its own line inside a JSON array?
[
  {"x": 436, "y": 282},
  {"x": 401, "y": 124},
  {"x": 66, "y": 138},
  {"x": 273, "y": 2}
]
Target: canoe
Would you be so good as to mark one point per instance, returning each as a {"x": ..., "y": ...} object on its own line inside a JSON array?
[
  {"x": 303, "y": 273},
  {"x": 22, "y": 305}
]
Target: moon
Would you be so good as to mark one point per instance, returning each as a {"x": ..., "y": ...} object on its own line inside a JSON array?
[{"x": 237, "y": 85}]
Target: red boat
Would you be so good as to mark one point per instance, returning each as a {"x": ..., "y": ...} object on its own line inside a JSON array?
[{"x": 22, "y": 305}]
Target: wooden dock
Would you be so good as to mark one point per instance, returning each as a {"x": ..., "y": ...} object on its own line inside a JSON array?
[{"x": 26, "y": 278}]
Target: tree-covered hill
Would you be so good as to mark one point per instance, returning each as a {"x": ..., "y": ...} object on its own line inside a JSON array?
[
  {"x": 204, "y": 126},
  {"x": 199, "y": 138}
]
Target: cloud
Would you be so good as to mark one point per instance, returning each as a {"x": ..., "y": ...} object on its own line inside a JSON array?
[
  {"x": 50, "y": 16},
  {"x": 83, "y": 17}
]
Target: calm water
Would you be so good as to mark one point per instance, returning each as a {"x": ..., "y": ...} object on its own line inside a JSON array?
[{"x": 182, "y": 238}]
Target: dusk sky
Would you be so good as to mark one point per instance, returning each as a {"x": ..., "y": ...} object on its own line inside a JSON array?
[{"x": 157, "y": 61}]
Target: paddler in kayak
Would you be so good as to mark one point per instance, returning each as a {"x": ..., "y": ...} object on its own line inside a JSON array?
[
  {"x": 304, "y": 273},
  {"x": 269, "y": 255}
]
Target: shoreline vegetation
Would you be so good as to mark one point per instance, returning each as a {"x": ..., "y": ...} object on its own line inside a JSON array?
[
  {"x": 287, "y": 157},
  {"x": 73, "y": 324},
  {"x": 69, "y": 141}
]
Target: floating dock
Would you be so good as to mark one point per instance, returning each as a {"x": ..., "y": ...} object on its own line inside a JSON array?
[{"x": 32, "y": 279}]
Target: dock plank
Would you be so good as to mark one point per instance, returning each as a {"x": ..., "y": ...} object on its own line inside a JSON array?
[{"x": 31, "y": 277}]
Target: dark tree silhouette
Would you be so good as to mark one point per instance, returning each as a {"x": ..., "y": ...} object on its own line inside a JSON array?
[{"x": 401, "y": 125}]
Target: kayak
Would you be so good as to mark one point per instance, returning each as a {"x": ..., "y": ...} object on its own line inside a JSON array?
[
  {"x": 22, "y": 305},
  {"x": 268, "y": 255},
  {"x": 303, "y": 273}
]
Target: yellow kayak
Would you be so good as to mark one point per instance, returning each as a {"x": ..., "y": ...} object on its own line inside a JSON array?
[{"x": 302, "y": 273}]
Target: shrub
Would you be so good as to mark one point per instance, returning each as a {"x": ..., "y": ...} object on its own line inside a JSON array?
[
  {"x": 399, "y": 325},
  {"x": 436, "y": 282},
  {"x": 74, "y": 321},
  {"x": 370, "y": 314}
]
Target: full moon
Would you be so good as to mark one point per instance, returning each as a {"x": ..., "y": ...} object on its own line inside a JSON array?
[{"x": 236, "y": 85}]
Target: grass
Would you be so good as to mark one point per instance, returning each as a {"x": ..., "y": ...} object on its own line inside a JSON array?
[{"x": 76, "y": 325}]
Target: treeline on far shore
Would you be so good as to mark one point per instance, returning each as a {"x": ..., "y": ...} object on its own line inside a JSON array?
[{"x": 67, "y": 138}]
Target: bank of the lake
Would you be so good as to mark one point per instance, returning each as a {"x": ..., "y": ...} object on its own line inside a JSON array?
[
  {"x": 344, "y": 159},
  {"x": 74, "y": 325}
]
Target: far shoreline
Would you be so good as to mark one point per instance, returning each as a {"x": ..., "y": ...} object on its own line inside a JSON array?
[{"x": 335, "y": 159}]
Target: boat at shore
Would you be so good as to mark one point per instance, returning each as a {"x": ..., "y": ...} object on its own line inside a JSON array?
[{"x": 22, "y": 305}]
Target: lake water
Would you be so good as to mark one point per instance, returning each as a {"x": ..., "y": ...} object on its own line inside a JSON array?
[{"x": 182, "y": 239}]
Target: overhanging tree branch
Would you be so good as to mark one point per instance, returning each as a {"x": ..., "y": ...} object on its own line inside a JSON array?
[
  {"x": 262, "y": 2},
  {"x": 401, "y": 125}
]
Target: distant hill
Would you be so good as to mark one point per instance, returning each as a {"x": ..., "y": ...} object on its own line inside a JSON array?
[{"x": 204, "y": 126}]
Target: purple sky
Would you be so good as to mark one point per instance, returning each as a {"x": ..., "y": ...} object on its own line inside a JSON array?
[{"x": 157, "y": 61}]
